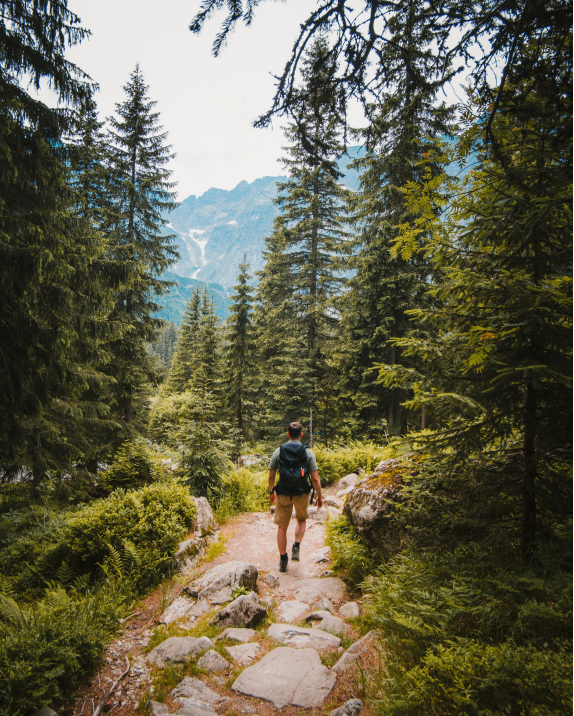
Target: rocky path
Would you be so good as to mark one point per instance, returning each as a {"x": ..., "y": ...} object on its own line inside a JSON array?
[{"x": 234, "y": 636}]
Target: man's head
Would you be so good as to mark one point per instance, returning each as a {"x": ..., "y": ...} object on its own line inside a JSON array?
[{"x": 295, "y": 431}]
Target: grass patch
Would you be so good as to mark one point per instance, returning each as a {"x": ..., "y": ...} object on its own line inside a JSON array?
[
  {"x": 352, "y": 560},
  {"x": 215, "y": 549}
]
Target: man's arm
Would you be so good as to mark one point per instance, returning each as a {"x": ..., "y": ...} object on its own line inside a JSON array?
[
  {"x": 316, "y": 486},
  {"x": 272, "y": 495}
]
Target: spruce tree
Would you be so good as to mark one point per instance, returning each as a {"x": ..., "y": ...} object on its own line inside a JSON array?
[
  {"x": 240, "y": 354},
  {"x": 52, "y": 312},
  {"x": 184, "y": 362},
  {"x": 305, "y": 248},
  {"x": 143, "y": 193},
  {"x": 404, "y": 123}
]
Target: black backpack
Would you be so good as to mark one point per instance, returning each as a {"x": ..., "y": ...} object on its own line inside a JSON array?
[{"x": 293, "y": 477}]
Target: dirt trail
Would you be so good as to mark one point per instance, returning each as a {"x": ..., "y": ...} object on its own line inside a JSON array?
[{"x": 248, "y": 537}]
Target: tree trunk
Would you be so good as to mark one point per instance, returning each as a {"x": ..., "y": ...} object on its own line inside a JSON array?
[
  {"x": 391, "y": 419},
  {"x": 37, "y": 473},
  {"x": 530, "y": 469}
]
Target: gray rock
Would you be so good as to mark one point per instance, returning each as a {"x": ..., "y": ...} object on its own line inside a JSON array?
[
  {"x": 242, "y": 612},
  {"x": 333, "y": 625},
  {"x": 222, "y": 596},
  {"x": 353, "y": 652},
  {"x": 387, "y": 465},
  {"x": 177, "y": 609},
  {"x": 268, "y": 601},
  {"x": 334, "y": 512},
  {"x": 324, "y": 605},
  {"x": 287, "y": 676},
  {"x": 321, "y": 555},
  {"x": 189, "y": 551},
  {"x": 350, "y": 610},
  {"x": 352, "y": 707},
  {"x": 242, "y": 635},
  {"x": 230, "y": 575},
  {"x": 243, "y": 653},
  {"x": 204, "y": 522},
  {"x": 45, "y": 711},
  {"x": 291, "y": 611},
  {"x": 348, "y": 481},
  {"x": 202, "y": 607},
  {"x": 157, "y": 709},
  {"x": 310, "y": 590},
  {"x": 345, "y": 492},
  {"x": 303, "y": 638},
  {"x": 271, "y": 580},
  {"x": 319, "y": 515},
  {"x": 212, "y": 661},
  {"x": 318, "y": 615},
  {"x": 369, "y": 508},
  {"x": 193, "y": 711},
  {"x": 334, "y": 502},
  {"x": 193, "y": 693},
  {"x": 177, "y": 649}
]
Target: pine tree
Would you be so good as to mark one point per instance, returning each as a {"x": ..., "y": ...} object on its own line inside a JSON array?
[
  {"x": 307, "y": 242},
  {"x": 52, "y": 311},
  {"x": 142, "y": 194},
  {"x": 404, "y": 124},
  {"x": 184, "y": 362},
  {"x": 497, "y": 372},
  {"x": 240, "y": 354}
]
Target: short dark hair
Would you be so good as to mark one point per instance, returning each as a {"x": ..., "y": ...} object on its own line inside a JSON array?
[{"x": 295, "y": 430}]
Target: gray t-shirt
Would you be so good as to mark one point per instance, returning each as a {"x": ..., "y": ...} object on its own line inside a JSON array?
[{"x": 311, "y": 459}]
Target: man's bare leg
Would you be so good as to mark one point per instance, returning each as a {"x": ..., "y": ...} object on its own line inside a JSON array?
[
  {"x": 299, "y": 532},
  {"x": 282, "y": 539}
]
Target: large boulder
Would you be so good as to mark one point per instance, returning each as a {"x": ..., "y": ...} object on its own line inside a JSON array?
[
  {"x": 218, "y": 583},
  {"x": 193, "y": 693},
  {"x": 369, "y": 507},
  {"x": 288, "y": 676},
  {"x": 242, "y": 612},
  {"x": 348, "y": 481}
]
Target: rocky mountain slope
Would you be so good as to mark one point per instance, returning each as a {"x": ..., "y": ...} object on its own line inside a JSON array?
[{"x": 217, "y": 228}]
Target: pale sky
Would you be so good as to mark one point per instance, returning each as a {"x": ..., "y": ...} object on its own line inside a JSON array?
[{"x": 207, "y": 105}]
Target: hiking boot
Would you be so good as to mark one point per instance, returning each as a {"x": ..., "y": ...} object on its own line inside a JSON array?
[
  {"x": 283, "y": 563},
  {"x": 295, "y": 552}
]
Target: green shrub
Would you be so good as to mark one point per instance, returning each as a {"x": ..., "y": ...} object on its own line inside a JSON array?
[
  {"x": 242, "y": 491},
  {"x": 351, "y": 558},
  {"x": 335, "y": 463},
  {"x": 132, "y": 468},
  {"x": 152, "y": 521},
  {"x": 483, "y": 680}
]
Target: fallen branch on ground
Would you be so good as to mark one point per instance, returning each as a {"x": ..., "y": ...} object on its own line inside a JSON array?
[{"x": 104, "y": 701}]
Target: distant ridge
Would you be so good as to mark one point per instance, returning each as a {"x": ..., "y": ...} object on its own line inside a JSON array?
[{"x": 176, "y": 301}]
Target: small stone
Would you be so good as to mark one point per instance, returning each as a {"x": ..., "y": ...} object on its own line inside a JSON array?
[
  {"x": 271, "y": 580},
  {"x": 242, "y": 635},
  {"x": 334, "y": 502},
  {"x": 353, "y": 652},
  {"x": 332, "y": 588},
  {"x": 212, "y": 661},
  {"x": 352, "y": 707},
  {"x": 287, "y": 676},
  {"x": 243, "y": 653},
  {"x": 268, "y": 601},
  {"x": 318, "y": 615},
  {"x": 303, "y": 638},
  {"x": 242, "y": 612},
  {"x": 45, "y": 711},
  {"x": 350, "y": 610},
  {"x": 157, "y": 709},
  {"x": 348, "y": 481},
  {"x": 324, "y": 605},
  {"x": 177, "y": 649},
  {"x": 292, "y": 611},
  {"x": 333, "y": 625},
  {"x": 321, "y": 555},
  {"x": 194, "y": 710},
  {"x": 191, "y": 692}
]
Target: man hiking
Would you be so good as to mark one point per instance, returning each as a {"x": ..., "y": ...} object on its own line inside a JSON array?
[{"x": 296, "y": 464}]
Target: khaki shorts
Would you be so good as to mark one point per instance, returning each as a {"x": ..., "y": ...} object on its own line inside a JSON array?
[{"x": 284, "y": 508}]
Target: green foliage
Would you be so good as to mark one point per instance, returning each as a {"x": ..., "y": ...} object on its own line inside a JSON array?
[
  {"x": 335, "y": 463},
  {"x": 143, "y": 527},
  {"x": 350, "y": 556},
  {"x": 474, "y": 632},
  {"x": 132, "y": 468},
  {"x": 242, "y": 491}
]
